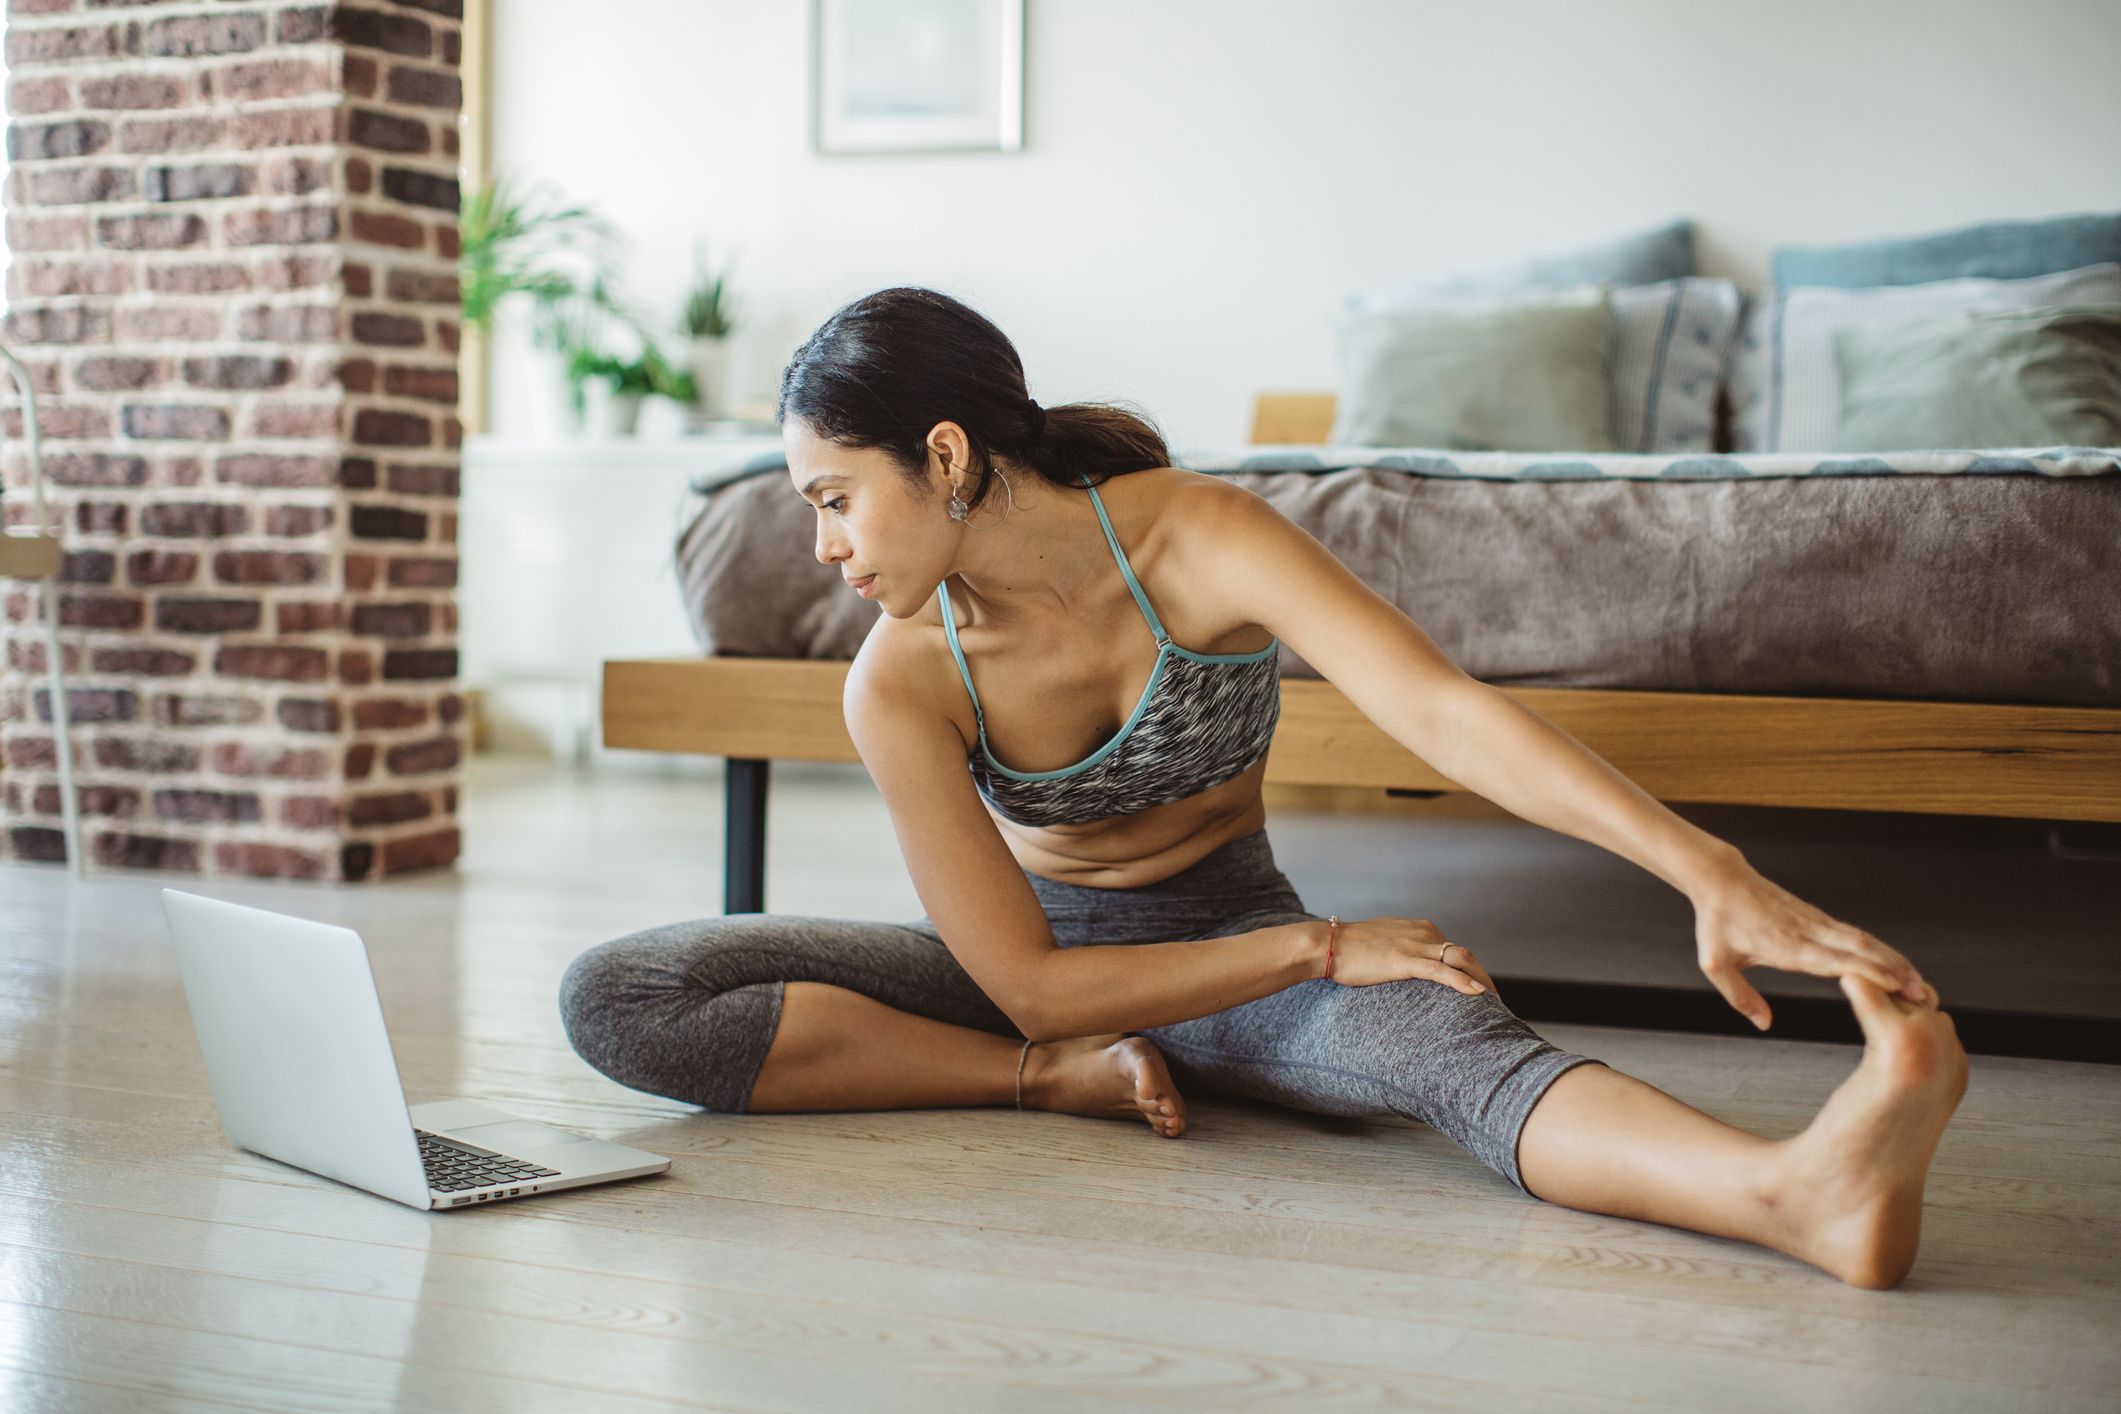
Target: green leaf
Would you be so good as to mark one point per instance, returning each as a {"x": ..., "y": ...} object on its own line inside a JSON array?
[
  {"x": 708, "y": 313},
  {"x": 534, "y": 244}
]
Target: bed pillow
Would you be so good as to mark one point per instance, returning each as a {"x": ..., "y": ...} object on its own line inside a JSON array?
[
  {"x": 1980, "y": 378},
  {"x": 1523, "y": 373},
  {"x": 1995, "y": 250},
  {"x": 1670, "y": 343},
  {"x": 1671, "y": 340},
  {"x": 1785, "y": 391}
]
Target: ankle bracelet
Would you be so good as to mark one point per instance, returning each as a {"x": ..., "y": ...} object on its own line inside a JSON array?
[{"x": 1021, "y": 1057}]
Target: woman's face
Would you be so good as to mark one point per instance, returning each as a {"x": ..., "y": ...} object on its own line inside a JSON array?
[{"x": 869, "y": 519}]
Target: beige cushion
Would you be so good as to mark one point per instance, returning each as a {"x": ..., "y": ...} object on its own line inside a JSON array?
[{"x": 1523, "y": 372}]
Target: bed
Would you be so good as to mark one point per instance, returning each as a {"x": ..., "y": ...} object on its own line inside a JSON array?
[{"x": 1927, "y": 577}]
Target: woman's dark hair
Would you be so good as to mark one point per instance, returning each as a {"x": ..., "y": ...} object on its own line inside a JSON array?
[{"x": 885, "y": 369}]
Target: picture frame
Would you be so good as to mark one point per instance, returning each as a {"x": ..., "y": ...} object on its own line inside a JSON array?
[{"x": 897, "y": 76}]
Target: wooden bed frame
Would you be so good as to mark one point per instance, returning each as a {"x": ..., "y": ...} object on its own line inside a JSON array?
[{"x": 1955, "y": 758}]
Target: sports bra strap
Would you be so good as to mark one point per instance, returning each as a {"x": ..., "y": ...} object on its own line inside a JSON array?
[
  {"x": 1133, "y": 584},
  {"x": 1134, "y": 587},
  {"x": 950, "y": 632}
]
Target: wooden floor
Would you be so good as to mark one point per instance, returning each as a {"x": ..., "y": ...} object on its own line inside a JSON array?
[{"x": 940, "y": 1259}]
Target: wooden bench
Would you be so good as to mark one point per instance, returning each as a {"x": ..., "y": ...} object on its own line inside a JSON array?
[{"x": 1955, "y": 758}]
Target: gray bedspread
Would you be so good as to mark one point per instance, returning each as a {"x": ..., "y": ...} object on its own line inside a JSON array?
[{"x": 1988, "y": 588}]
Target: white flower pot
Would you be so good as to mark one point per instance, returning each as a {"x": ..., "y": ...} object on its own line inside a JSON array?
[
  {"x": 710, "y": 374},
  {"x": 622, "y": 414}
]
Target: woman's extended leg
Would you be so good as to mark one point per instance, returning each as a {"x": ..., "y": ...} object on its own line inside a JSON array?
[{"x": 1845, "y": 1195}]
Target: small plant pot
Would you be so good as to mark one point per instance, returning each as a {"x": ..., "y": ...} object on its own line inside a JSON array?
[
  {"x": 710, "y": 375},
  {"x": 622, "y": 414}
]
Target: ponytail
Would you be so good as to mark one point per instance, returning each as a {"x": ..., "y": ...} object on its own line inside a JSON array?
[{"x": 884, "y": 370}]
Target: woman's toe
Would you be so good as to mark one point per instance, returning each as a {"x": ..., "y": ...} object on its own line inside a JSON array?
[{"x": 1155, "y": 1096}]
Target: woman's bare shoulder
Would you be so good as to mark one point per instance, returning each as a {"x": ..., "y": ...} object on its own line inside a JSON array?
[
  {"x": 1165, "y": 501},
  {"x": 1193, "y": 509},
  {"x": 910, "y": 660},
  {"x": 1160, "y": 484}
]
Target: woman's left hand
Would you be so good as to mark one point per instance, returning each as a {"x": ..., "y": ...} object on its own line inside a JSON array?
[{"x": 1746, "y": 920}]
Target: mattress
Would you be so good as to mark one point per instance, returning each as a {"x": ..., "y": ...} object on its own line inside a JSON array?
[{"x": 1982, "y": 576}]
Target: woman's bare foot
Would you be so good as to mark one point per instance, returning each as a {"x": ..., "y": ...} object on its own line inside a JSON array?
[
  {"x": 1105, "y": 1077},
  {"x": 1846, "y": 1194}
]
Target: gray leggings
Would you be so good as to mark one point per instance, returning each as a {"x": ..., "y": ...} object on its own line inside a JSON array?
[{"x": 688, "y": 1010}]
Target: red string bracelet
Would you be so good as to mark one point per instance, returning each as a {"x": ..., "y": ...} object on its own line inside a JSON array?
[{"x": 1330, "y": 931}]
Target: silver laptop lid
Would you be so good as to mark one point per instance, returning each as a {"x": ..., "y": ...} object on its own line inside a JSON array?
[{"x": 292, "y": 1031}]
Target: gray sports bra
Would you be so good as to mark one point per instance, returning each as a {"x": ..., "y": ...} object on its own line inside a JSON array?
[{"x": 1203, "y": 719}]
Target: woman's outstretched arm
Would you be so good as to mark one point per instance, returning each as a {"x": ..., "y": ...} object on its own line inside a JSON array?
[{"x": 1257, "y": 560}]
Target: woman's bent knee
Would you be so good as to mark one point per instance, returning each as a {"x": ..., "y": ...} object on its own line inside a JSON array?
[{"x": 665, "y": 1029}]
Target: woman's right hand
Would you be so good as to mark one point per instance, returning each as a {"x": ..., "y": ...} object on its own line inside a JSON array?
[{"x": 1367, "y": 951}]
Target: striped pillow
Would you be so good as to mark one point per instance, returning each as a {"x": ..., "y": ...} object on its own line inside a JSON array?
[{"x": 1670, "y": 343}]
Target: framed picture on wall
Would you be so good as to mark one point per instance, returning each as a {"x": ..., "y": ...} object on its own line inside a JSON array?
[{"x": 917, "y": 75}]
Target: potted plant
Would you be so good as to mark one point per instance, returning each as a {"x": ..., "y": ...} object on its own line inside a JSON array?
[
  {"x": 524, "y": 243},
  {"x": 707, "y": 321},
  {"x": 628, "y": 383},
  {"x": 667, "y": 380},
  {"x": 562, "y": 258}
]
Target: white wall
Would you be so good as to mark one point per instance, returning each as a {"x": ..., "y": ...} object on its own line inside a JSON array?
[{"x": 1204, "y": 179}]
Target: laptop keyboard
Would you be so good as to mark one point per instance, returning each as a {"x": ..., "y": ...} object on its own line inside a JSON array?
[{"x": 453, "y": 1165}]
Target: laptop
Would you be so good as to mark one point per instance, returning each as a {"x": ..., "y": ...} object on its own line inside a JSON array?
[{"x": 302, "y": 1071}]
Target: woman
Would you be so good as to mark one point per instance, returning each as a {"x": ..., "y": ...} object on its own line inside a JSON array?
[{"x": 1105, "y": 915}]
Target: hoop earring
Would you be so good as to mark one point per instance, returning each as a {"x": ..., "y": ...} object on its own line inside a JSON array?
[{"x": 959, "y": 509}]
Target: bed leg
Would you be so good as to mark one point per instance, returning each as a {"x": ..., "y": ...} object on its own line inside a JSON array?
[{"x": 744, "y": 855}]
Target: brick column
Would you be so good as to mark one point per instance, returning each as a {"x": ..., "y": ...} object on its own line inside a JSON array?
[{"x": 233, "y": 233}]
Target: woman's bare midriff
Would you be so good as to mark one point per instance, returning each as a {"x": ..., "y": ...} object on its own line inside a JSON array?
[
  {"x": 1053, "y": 695},
  {"x": 1130, "y": 851}
]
